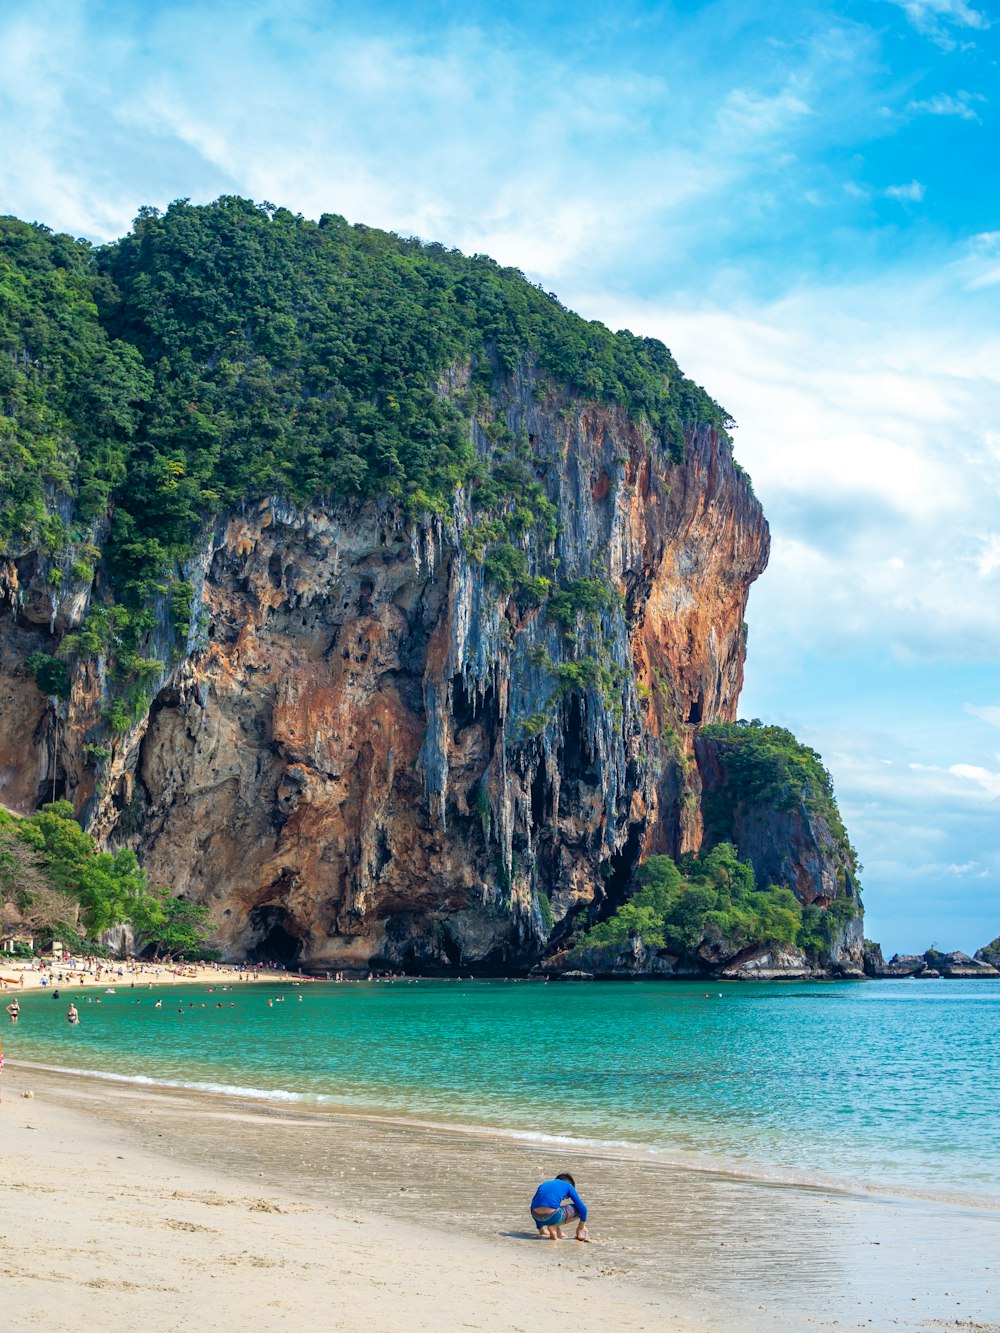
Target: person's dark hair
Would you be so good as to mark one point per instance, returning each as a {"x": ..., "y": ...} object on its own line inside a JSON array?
[{"x": 565, "y": 1175}]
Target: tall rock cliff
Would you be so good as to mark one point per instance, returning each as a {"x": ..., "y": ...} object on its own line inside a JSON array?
[
  {"x": 374, "y": 599},
  {"x": 367, "y": 751}
]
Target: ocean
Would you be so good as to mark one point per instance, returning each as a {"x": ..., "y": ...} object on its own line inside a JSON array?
[{"x": 883, "y": 1085}]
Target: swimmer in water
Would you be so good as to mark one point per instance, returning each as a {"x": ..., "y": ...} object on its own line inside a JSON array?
[
  {"x": 72, "y": 1016},
  {"x": 158, "y": 1004}
]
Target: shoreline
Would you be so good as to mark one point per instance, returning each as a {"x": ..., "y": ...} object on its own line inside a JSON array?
[
  {"x": 752, "y": 1173},
  {"x": 15, "y": 978},
  {"x": 673, "y": 1247}
]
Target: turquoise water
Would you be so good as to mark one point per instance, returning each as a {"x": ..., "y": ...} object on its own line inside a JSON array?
[{"x": 892, "y": 1084}]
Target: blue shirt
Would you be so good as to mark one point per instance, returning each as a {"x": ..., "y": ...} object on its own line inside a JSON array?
[{"x": 551, "y": 1193}]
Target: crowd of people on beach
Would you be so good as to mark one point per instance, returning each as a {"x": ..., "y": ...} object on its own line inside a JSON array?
[{"x": 87, "y": 969}]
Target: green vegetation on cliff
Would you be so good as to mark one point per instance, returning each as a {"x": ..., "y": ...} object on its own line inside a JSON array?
[
  {"x": 232, "y": 350},
  {"x": 714, "y": 901},
  {"x": 767, "y": 766},
  {"x": 711, "y": 903},
  {"x": 70, "y": 394},
  {"x": 61, "y": 887}
]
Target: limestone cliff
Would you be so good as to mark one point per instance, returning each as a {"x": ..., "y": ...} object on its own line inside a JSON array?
[{"x": 364, "y": 751}]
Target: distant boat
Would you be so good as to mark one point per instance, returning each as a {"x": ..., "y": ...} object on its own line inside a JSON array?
[{"x": 110, "y": 991}]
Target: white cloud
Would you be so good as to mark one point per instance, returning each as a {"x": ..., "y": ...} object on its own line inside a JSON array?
[
  {"x": 863, "y": 415},
  {"x": 912, "y": 193},
  {"x": 984, "y": 779},
  {"x": 943, "y": 104},
  {"x": 988, "y": 713},
  {"x": 989, "y": 556},
  {"x": 937, "y": 18},
  {"x": 982, "y": 262}
]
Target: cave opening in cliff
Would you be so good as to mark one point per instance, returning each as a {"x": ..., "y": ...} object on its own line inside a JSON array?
[
  {"x": 52, "y": 789},
  {"x": 467, "y": 703},
  {"x": 696, "y": 711},
  {"x": 576, "y": 762},
  {"x": 274, "y": 941},
  {"x": 539, "y": 793},
  {"x": 622, "y": 867}
]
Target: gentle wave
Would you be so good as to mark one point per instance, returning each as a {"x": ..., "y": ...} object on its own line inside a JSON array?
[
  {"x": 147, "y": 1081},
  {"x": 695, "y": 1163}
]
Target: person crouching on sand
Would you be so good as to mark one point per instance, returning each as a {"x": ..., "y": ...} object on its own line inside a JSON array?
[{"x": 555, "y": 1202}]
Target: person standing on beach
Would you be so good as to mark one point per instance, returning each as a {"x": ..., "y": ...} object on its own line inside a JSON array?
[{"x": 555, "y": 1202}]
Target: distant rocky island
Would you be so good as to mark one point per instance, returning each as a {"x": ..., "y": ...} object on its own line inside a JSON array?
[
  {"x": 933, "y": 963},
  {"x": 368, "y": 608}
]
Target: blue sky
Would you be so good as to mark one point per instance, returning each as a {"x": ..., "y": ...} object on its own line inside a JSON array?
[{"x": 802, "y": 200}]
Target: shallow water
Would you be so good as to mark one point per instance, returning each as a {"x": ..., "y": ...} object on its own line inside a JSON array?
[{"x": 892, "y": 1085}]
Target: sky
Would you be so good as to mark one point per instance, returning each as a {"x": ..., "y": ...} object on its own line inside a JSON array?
[{"x": 801, "y": 199}]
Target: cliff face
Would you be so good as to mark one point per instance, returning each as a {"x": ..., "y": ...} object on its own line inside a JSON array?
[{"x": 364, "y": 751}]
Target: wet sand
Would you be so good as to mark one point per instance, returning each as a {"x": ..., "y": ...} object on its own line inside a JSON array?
[{"x": 168, "y": 1209}]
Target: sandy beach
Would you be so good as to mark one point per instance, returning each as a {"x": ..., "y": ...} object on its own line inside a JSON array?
[
  {"x": 172, "y": 1238},
  {"x": 17, "y": 976},
  {"x": 167, "y": 1209}
]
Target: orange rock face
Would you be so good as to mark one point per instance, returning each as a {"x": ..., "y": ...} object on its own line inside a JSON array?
[{"x": 368, "y": 755}]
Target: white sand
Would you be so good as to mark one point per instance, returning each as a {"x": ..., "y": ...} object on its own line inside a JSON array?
[
  {"x": 129, "y": 1207},
  {"x": 96, "y": 1233}
]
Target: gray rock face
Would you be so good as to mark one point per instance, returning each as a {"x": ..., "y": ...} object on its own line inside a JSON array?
[
  {"x": 634, "y": 959},
  {"x": 958, "y": 964},
  {"x": 789, "y": 841},
  {"x": 872, "y": 960},
  {"x": 904, "y": 965},
  {"x": 773, "y": 963}
]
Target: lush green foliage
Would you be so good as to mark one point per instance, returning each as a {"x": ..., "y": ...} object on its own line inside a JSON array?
[
  {"x": 580, "y": 597},
  {"x": 235, "y": 350},
  {"x": 48, "y": 861},
  {"x": 169, "y": 925},
  {"x": 50, "y": 674},
  {"x": 70, "y": 395},
  {"x": 713, "y": 902},
  {"x": 766, "y": 765},
  {"x": 64, "y": 888}
]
